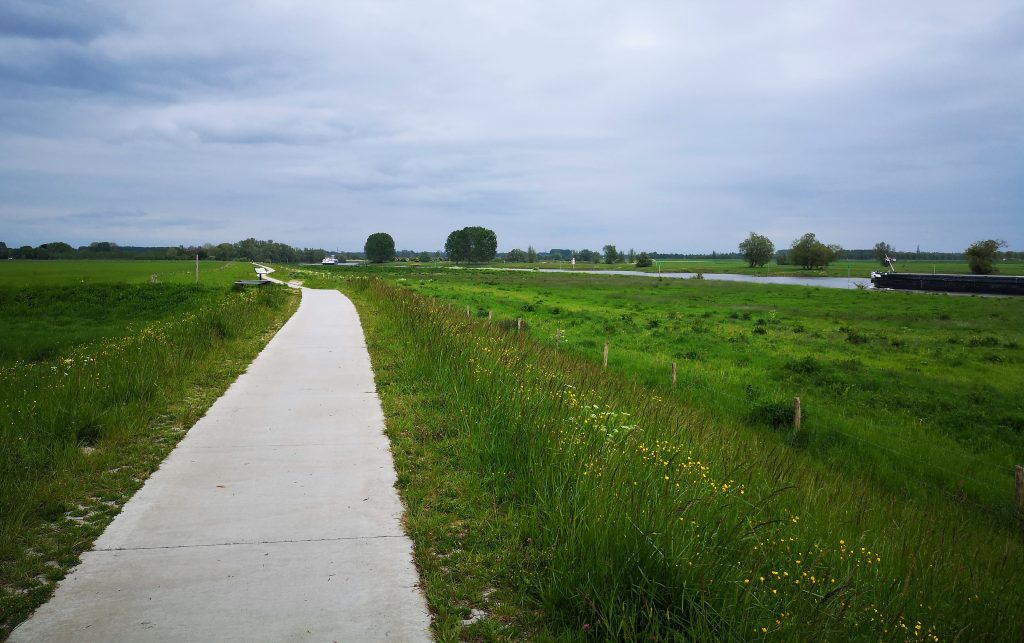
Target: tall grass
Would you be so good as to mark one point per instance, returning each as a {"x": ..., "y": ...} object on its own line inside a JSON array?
[
  {"x": 916, "y": 393},
  {"x": 81, "y": 430},
  {"x": 647, "y": 519}
]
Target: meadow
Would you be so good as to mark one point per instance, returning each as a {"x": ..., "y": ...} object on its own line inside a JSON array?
[
  {"x": 570, "y": 502},
  {"x": 78, "y": 272},
  {"x": 101, "y": 373}
]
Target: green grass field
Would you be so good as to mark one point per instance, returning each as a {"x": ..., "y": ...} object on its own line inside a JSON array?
[
  {"x": 890, "y": 382},
  {"x": 73, "y": 272},
  {"x": 569, "y": 502},
  {"x": 99, "y": 379}
]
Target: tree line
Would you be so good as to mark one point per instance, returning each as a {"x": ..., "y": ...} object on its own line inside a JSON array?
[
  {"x": 246, "y": 250},
  {"x": 810, "y": 253},
  {"x": 476, "y": 244}
]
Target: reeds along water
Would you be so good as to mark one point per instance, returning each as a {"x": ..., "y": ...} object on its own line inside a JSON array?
[{"x": 657, "y": 522}]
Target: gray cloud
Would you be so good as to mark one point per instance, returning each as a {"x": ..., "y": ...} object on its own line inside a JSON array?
[{"x": 657, "y": 125}]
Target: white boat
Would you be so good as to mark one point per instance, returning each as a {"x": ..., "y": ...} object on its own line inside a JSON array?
[{"x": 329, "y": 260}]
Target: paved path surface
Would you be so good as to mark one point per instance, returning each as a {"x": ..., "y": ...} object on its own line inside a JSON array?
[{"x": 275, "y": 518}]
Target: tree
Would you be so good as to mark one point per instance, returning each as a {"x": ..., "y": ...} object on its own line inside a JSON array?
[
  {"x": 809, "y": 253},
  {"x": 643, "y": 260},
  {"x": 424, "y": 257},
  {"x": 611, "y": 255},
  {"x": 4, "y": 252},
  {"x": 982, "y": 254},
  {"x": 380, "y": 247},
  {"x": 531, "y": 255},
  {"x": 757, "y": 250},
  {"x": 472, "y": 244},
  {"x": 884, "y": 252},
  {"x": 515, "y": 255}
]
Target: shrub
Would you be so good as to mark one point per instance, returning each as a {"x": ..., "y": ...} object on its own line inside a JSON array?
[
  {"x": 805, "y": 366},
  {"x": 986, "y": 341},
  {"x": 776, "y": 415}
]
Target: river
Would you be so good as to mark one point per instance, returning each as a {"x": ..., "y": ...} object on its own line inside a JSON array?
[{"x": 819, "y": 282}]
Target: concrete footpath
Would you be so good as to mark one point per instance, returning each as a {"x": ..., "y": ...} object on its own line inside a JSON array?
[{"x": 275, "y": 518}]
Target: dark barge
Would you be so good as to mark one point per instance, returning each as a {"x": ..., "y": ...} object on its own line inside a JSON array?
[{"x": 977, "y": 284}]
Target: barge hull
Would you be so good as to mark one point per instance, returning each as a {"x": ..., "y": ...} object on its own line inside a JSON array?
[{"x": 978, "y": 284}]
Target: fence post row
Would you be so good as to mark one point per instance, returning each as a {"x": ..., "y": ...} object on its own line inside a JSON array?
[{"x": 796, "y": 413}]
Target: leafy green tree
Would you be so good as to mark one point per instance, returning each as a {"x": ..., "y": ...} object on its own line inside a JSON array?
[
  {"x": 472, "y": 244},
  {"x": 981, "y": 255},
  {"x": 643, "y": 260},
  {"x": 757, "y": 249},
  {"x": 379, "y": 248},
  {"x": 809, "y": 253},
  {"x": 424, "y": 257},
  {"x": 883, "y": 252},
  {"x": 515, "y": 255},
  {"x": 4, "y": 252},
  {"x": 531, "y": 255},
  {"x": 611, "y": 255}
]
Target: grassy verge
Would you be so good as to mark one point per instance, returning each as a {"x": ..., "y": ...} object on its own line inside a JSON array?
[
  {"x": 552, "y": 500},
  {"x": 917, "y": 393},
  {"x": 88, "y": 417}
]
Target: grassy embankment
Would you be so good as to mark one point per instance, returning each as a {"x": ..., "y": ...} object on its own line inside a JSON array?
[
  {"x": 918, "y": 392},
  {"x": 570, "y": 503},
  {"x": 98, "y": 382}
]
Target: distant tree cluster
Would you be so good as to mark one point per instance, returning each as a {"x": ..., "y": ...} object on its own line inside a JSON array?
[
  {"x": 981, "y": 255},
  {"x": 472, "y": 244},
  {"x": 757, "y": 250},
  {"x": 515, "y": 255},
  {"x": 247, "y": 249},
  {"x": 379, "y": 248},
  {"x": 810, "y": 254}
]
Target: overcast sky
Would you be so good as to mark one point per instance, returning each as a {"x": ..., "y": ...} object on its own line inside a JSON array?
[{"x": 665, "y": 126}]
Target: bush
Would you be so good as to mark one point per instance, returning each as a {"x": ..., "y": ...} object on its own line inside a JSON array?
[
  {"x": 776, "y": 415},
  {"x": 982, "y": 254},
  {"x": 805, "y": 366},
  {"x": 987, "y": 341}
]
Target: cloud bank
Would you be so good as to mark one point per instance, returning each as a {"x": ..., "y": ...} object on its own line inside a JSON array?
[{"x": 662, "y": 126}]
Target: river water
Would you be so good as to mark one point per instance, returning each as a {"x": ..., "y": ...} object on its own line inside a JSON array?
[{"x": 819, "y": 282}]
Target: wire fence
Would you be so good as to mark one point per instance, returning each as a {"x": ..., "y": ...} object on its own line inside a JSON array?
[{"x": 684, "y": 381}]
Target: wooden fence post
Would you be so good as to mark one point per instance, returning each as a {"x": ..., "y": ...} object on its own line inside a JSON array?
[
  {"x": 673, "y": 374},
  {"x": 606, "y": 356},
  {"x": 796, "y": 414},
  {"x": 489, "y": 315},
  {"x": 468, "y": 314},
  {"x": 519, "y": 323},
  {"x": 1019, "y": 479}
]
